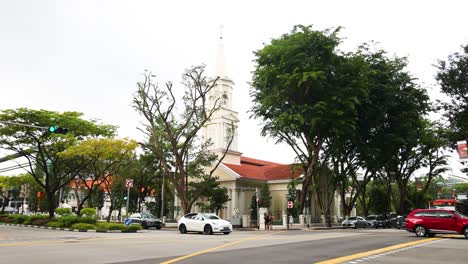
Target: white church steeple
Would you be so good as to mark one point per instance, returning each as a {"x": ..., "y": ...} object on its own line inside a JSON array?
[{"x": 217, "y": 129}]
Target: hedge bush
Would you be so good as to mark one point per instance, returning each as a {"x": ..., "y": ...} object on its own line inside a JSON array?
[
  {"x": 54, "y": 224},
  {"x": 63, "y": 211},
  {"x": 35, "y": 219},
  {"x": 19, "y": 219},
  {"x": 83, "y": 226},
  {"x": 88, "y": 220},
  {"x": 88, "y": 212},
  {"x": 68, "y": 220},
  {"x": 131, "y": 228}
]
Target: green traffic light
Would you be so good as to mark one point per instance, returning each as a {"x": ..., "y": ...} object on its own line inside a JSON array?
[
  {"x": 58, "y": 130},
  {"x": 52, "y": 129}
]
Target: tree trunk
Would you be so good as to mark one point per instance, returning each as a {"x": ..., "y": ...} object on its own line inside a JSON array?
[
  {"x": 365, "y": 209},
  {"x": 402, "y": 189},
  {"x": 111, "y": 209},
  {"x": 51, "y": 204}
]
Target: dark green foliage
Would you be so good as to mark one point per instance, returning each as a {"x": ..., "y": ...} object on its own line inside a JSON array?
[
  {"x": 377, "y": 203},
  {"x": 83, "y": 226},
  {"x": 63, "y": 211},
  {"x": 68, "y": 220},
  {"x": 265, "y": 196},
  {"x": 88, "y": 212},
  {"x": 253, "y": 208},
  {"x": 453, "y": 80}
]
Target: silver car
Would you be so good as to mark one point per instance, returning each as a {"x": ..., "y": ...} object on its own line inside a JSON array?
[
  {"x": 354, "y": 222},
  {"x": 146, "y": 220}
]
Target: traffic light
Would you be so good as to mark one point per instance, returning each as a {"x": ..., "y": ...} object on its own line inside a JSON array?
[
  {"x": 125, "y": 198},
  {"x": 58, "y": 130}
]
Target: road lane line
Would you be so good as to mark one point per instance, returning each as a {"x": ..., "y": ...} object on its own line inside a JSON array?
[
  {"x": 218, "y": 247},
  {"x": 376, "y": 251}
]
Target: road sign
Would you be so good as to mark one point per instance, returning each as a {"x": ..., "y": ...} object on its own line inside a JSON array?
[
  {"x": 128, "y": 222},
  {"x": 290, "y": 204},
  {"x": 129, "y": 183}
]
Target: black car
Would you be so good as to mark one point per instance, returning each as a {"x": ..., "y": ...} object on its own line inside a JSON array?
[
  {"x": 398, "y": 222},
  {"x": 146, "y": 220}
]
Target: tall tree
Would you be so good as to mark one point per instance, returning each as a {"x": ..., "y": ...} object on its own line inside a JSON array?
[
  {"x": 100, "y": 158},
  {"x": 304, "y": 90},
  {"x": 41, "y": 150},
  {"x": 453, "y": 80},
  {"x": 265, "y": 196},
  {"x": 167, "y": 125}
]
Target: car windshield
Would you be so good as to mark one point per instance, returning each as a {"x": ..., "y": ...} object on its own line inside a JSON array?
[
  {"x": 460, "y": 214},
  {"x": 370, "y": 218},
  {"x": 210, "y": 216},
  {"x": 352, "y": 218},
  {"x": 147, "y": 215}
]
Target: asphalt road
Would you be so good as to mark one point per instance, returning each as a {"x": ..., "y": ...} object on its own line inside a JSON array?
[{"x": 28, "y": 245}]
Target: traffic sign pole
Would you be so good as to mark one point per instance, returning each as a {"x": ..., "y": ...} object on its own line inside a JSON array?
[{"x": 128, "y": 199}]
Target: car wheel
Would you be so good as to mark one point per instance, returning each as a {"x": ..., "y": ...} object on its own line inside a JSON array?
[
  {"x": 158, "y": 227},
  {"x": 207, "y": 230},
  {"x": 144, "y": 225},
  {"x": 182, "y": 229},
  {"x": 226, "y": 233},
  {"x": 465, "y": 231},
  {"x": 420, "y": 231}
]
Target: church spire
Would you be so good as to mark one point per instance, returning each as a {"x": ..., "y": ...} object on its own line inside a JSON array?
[{"x": 220, "y": 59}]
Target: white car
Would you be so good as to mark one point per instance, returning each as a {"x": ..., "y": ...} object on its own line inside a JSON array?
[{"x": 204, "y": 222}]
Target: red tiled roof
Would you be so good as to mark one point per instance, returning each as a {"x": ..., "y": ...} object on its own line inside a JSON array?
[{"x": 264, "y": 170}]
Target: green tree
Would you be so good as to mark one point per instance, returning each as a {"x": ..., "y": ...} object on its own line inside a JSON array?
[
  {"x": 253, "y": 208},
  {"x": 377, "y": 203},
  {"x": 453, "y": 80},
  {"x": 41, "y": 150},
  {"x": 461, "y": 188},
  {"x": 265, "y": 196},
  {"x": 306, "y": 91},
  {"x": 100, "y": 158},
  {"x": 173, "y": 135}
]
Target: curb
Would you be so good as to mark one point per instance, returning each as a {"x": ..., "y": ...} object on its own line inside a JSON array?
[{"x": 72, "y": 230}]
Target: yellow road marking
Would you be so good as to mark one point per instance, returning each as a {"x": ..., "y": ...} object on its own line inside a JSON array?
[
  {"x": 217, "y": 247},
  {"x": 377, "y": 251}
]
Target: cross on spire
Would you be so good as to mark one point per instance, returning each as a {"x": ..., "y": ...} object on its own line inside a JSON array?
[{"x": 221, "y": 31}]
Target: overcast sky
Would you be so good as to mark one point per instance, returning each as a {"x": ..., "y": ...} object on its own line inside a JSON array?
[{"x": 87, "y": 55}]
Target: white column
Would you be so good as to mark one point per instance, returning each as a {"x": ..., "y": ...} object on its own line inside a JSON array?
[
  {"x": 234, "y": 201},
  {"x": 229, "y": 205},
  {"x": 242, "y": 202}
]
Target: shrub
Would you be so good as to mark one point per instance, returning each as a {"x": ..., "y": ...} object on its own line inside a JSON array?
[
  {"x": 68, "y": 220},
  {"x": 63, "y": 211},
  {"x": 19, "y": 219},
  {"x": 131, "y": 228},
  {"x": 40, "y": 220},
  {"x": 89, "y": 212},
  {"x": 54, "y": 224},
  {"x": 83, "y": 226},
  {"x": 6, "y": 219},
  {"x": 87, "y": 220}
]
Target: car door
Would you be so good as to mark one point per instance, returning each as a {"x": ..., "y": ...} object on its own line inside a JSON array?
[
  {"x": 190, "y": 222},
  {"x": 431, "y": 220},
  {"x": 198, "y": 222},
  {"x": 447, "y": 221},
  {"x": 136, "y": 218}
]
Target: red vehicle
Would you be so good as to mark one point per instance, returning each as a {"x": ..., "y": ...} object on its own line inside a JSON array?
[{"x": 428, "y": 222}]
